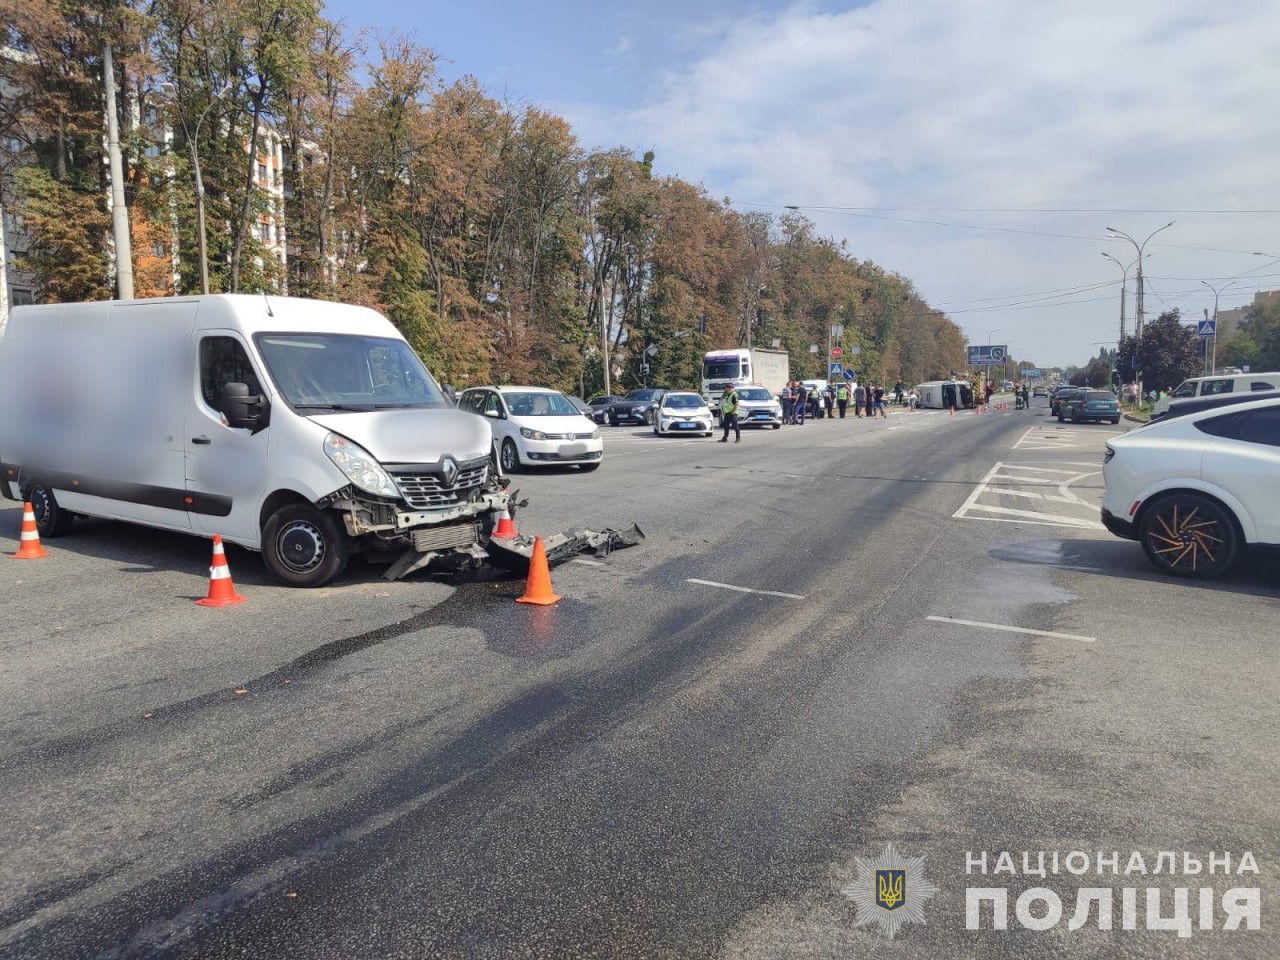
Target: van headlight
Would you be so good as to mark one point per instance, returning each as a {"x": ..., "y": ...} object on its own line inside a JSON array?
[
  {"x": 532, "y": 434},
  {"x": 358, "y": 466}
]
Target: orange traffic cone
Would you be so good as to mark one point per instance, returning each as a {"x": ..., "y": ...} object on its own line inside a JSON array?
[
  {"x": 222, "y": 592},
  {"x": 29, "y": 539},
  {"x": 506, "y": 528},
  {"x": 538, "y": 588}
]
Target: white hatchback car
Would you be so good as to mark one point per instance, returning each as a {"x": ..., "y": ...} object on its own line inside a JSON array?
[
  {"x": 1196, "y": 489},
  {"x": 535, "y": 427},
  {"x": 682, "y": 411}
]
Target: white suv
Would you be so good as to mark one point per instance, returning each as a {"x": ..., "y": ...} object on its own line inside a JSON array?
[
  {"x": 757, "y": 407},
  {"x": 1196, "y": 489}
]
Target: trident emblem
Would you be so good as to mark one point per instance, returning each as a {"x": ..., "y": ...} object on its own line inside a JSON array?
[{"x": 890, "y": 888}]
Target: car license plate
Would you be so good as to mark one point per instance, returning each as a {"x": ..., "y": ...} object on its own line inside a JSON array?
[
  {"x": 573, "y": 450},
  {"x": 688, "y": 426}
]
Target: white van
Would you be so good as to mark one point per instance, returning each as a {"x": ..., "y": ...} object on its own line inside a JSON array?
[
  {"x": 945, "y": 394},
  {"x": 302, "y": 429},
  {"x": 1215, "y": 385}
]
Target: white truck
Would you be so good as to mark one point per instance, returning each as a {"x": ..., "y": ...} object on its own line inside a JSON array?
[
  {"x": 302, "y": 429},
  {"x": 740, "y": 366}
]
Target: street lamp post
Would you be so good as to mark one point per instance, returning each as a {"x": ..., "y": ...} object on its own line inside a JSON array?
[
  {"x": 1213, "y": 362},
  {"x": 1124, "y": 287},
  {"x": 1141, "y": 289},
  {"x": 986, "y": 369},
  {"x": 202, "y": 252}
]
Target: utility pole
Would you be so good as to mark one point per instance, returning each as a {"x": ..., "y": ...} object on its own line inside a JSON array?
[
  {"x": 119, "y": 212},
  {"x": 202, "y": 245},
  {"x": 1124, "y": 288},
  {"x": 4, "y": 277}
]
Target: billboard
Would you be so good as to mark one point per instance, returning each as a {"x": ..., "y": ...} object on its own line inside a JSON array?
[{"x": 987, "y": 356}]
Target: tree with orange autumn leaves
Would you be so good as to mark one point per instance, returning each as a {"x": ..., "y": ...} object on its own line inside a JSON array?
[{"x": 502, "y": 248}]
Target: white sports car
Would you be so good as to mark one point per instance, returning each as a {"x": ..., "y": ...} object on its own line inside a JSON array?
[{"x": 1196, "y": 490}]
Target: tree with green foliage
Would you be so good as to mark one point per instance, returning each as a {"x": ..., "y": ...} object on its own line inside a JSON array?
[{"x": 1168, "y": 352}]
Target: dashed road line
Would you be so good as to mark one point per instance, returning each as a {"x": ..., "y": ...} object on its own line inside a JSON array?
[
  {"x": 729, "y": 586},
  {"x": 1008, "y": 629}
]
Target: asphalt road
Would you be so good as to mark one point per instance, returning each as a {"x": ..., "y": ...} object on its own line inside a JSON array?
[{"x": 664, "y": 764}]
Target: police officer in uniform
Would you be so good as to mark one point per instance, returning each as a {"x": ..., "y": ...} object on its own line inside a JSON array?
[{"x": 729, "y": 414}]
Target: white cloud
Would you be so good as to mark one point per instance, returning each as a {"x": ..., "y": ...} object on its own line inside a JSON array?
[{"x": 1149, "y": 105}]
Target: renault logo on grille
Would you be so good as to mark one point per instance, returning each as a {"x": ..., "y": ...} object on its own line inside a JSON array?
[{"x": 449, "y": 471}]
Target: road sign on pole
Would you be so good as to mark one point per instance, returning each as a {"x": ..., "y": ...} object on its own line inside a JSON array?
[
  {"x": 837, "y": 370},
  {"x": 1207, "y": 328},
  {"x": 836, "y": 353}
]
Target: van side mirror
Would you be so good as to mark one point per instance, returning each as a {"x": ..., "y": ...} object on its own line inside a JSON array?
[
  {"x": 495, "y": 414},
  {"x": 244, "y": 410}
]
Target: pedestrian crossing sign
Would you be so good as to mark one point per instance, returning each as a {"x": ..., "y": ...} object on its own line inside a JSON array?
[
  {"x": 1207, "y": 328},
  {"x": 837, "y": 370}
]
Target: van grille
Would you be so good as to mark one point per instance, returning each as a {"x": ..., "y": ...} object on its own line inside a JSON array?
[{"x": 425, "y": 491}]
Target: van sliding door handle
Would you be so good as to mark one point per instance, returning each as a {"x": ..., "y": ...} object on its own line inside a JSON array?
[{"x": 201, "y": 440}]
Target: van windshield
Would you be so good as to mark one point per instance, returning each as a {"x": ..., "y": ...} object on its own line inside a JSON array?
[
  {"x": 338, "y": 371},
  {"x": 1185, "y": 389}
]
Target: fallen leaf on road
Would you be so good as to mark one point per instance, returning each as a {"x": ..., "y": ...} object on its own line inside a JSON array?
[
  {"x": 147, "y": 716},
  {"x": 241, "y": 692}
]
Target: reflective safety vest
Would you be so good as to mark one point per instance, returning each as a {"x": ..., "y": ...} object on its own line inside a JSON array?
[
  {"x": 730, "y": 403},
  {"x": 842, "y": 393}
]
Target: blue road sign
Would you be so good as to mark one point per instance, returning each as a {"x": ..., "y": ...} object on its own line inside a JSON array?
[
  {"x": 1206, "y": 328},
  {"x": 988, "y": 355},
  {"x": 1032, "y": 373},
  {"x": 850, "y": 374},
  {"x": 837, "y": 370}
]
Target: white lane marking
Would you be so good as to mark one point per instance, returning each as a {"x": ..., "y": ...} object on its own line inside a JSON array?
[
  {"x": 1054, "y": 519},
  {"x": 588, "y": 563},
  {"x": 1046, "y": 437},
  {"x": 729, "y": 586},
  {"x": 1025, "y": 475},
  {"x": 1000, "y": 626}
]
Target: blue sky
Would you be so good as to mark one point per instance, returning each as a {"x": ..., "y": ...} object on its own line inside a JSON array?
[{"x": 979, "y": 147}]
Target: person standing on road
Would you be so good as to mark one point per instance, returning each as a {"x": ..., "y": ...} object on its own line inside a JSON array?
[
  {"x": 842, "y": 398},
  {"x": 788, "y": 402},
  {"x": 859, "y": 400},
  {"x": 829, "y": 400},
  {"x": 729, "y": 415},
  {"x": 801, "y": 406},
  {"x": 879, "y": 401},
  {"x": 897, "y": 392},
  {"x": 913, "y": 398}
]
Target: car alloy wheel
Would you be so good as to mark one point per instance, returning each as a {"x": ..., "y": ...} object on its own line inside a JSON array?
[
  {"x": 510, "y": 456},
  {"x": 1189, "y": 535}
]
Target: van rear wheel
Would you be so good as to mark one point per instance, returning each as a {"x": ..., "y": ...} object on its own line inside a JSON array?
[
  {"x": 303, "y": 546},
  {"x": 51, "y": 519}
]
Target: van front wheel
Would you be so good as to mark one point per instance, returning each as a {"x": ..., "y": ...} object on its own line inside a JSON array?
[
  {"x": 51, "y": 519},
  {"x": 303, "y": 546}
]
